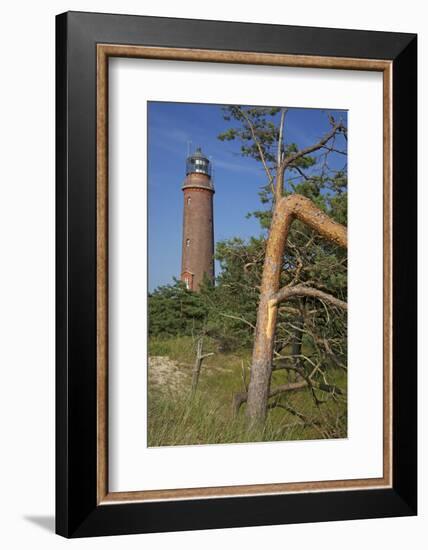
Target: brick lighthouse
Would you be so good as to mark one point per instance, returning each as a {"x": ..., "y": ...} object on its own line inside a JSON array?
[{"x": 197, "y": 258}]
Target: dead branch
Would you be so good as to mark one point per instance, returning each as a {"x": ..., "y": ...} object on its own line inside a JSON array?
[
  {"x": 198, "y": 364},
  {"x": 280, "y": 137},
  {"x": 259, "y": 147},
  {"x": 238, "y": 319},
  {"x": 301, "y": 290},
  {"x": 241, "y": 397},
  {"x": 312, "y": 148},
  {"x": 304, "y": 419},
  {"x": 244, "y": 376}
]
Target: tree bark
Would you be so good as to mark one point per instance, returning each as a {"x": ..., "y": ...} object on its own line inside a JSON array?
[
  {"x": 198, "y": 364},
  {"x": 285, "y": 211},
  {"x": 301, "y": 290}
]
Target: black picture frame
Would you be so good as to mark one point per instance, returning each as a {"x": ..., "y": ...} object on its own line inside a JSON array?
[{"x": 77, "y": 511}]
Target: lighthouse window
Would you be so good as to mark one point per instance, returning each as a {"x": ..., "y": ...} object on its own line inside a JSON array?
[
  {"x": 187, "y": 242},
  {"x": 189, "y": 200}
]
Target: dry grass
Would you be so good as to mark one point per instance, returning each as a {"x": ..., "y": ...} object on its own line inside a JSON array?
[{"x": 174, "y": 418}]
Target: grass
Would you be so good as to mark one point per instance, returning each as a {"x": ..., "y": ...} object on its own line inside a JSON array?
[{"x": 174, "y": 418}]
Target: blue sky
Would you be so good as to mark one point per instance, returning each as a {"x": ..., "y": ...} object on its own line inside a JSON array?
[{"x": 237, "y": 180}]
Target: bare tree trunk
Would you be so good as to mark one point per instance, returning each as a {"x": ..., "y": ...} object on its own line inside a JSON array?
[
  {"x": 198, "y": 364},
  {"x": 285, "y": 211}
]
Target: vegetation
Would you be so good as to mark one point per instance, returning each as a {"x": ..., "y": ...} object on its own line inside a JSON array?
[
  {"x": 278, "y": 334},
  {"x": 177, "y": 419}
]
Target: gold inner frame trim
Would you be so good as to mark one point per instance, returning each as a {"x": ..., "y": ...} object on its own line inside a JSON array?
[{"x": 104, "y": 51}]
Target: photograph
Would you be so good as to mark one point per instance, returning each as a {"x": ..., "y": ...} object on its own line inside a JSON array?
[
  {"x": 212, "y": 275},
  {"x": 235, "y": 285},
  {"x": 247, "y": 273}
]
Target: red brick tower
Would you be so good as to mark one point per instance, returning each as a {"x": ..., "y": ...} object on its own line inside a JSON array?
[{"x": 197, "y": 258}]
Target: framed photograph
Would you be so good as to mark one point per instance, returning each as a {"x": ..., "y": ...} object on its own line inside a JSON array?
[{"x": 224, "y": 357}]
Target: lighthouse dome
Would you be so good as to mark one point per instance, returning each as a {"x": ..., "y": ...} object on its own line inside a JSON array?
[{"x": 198, "y": 163}]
